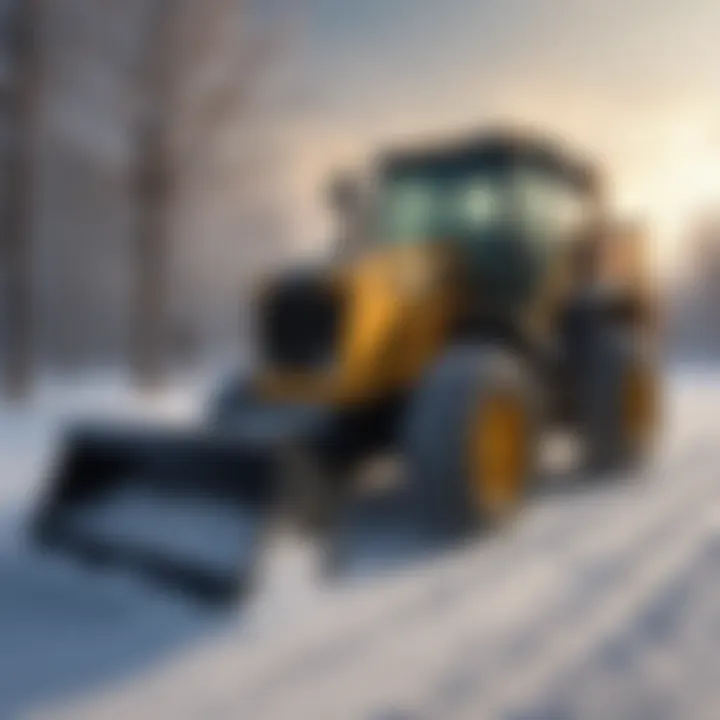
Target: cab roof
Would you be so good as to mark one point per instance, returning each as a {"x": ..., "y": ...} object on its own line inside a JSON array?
[{"x": 496, "y": 149}]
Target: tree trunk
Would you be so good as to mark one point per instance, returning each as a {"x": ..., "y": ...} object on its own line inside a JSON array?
[
  {"x": 152, "y": 202},
  {"x": 19, "y": 184},
  {"x": 153, "y": 196}
]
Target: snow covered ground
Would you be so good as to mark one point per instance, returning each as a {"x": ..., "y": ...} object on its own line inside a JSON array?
[{"x": 602, "y": 601}]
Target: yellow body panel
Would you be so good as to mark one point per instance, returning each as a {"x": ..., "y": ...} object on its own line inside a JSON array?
[
  {"x": 399, "y": 306},
  {"x": 400, "y": 302}
]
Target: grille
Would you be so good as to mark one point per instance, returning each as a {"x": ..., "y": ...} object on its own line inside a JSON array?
[{"x": 300, "y": 323}]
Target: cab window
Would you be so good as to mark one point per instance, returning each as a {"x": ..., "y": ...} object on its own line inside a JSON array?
[{"x": 548, "y": 209}]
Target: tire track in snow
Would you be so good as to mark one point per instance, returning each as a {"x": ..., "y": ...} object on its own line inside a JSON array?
[
  {"x": 611, "y": 610},
  {"x": 502, "y": 604}
]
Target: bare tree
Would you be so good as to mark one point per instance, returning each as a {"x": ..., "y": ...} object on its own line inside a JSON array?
[
  {"x": 21, "y": 94},
  {"x": 182, "y": 76},
  {"x": 198, "y": 67}
]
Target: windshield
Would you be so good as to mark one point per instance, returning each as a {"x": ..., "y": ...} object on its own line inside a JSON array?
[
  {"x": 475, "y": 205},
  {"x": 413, "y": 208}
]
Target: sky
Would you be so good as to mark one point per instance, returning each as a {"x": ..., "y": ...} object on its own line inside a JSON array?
[{"x": 634, "y": 83}]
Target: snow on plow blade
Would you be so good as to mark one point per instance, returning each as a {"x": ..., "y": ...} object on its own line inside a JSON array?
[{"x": 185, "y": 508}]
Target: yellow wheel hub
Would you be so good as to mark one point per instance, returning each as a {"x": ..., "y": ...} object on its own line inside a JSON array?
[
  {"x": 498, "y": 454},
  {"x": 639, "y": 406}
]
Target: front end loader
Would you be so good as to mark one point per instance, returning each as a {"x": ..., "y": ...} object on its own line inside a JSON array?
[{"x": 486, "y": 296}]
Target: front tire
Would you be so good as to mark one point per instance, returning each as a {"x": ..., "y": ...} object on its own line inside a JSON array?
[{"x": 470, "y": 441}]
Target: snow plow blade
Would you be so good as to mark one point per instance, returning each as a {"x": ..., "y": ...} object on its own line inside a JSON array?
[{"x": 183, "y": 507}]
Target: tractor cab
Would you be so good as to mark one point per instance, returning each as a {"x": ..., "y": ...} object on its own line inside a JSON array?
[{"x": 507, "y": 202}]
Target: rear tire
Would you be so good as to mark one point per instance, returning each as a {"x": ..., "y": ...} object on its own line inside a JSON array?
[
  {"x": 619, "y": 402},
  {"x": 450, "y": 495}
]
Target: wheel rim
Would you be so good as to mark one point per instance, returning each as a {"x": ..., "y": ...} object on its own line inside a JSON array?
[
  {"x": 639, "y": 406},
  {"x": 498, "y": 455}
]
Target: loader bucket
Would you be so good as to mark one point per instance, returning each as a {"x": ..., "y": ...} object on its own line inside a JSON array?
[{"x": 185, "y": 507}]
